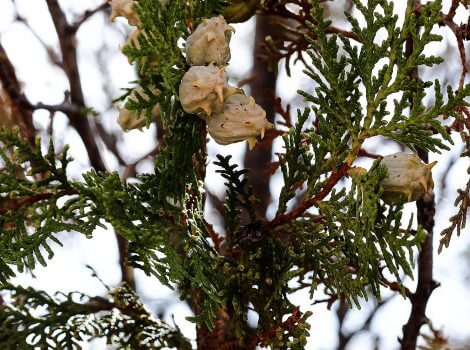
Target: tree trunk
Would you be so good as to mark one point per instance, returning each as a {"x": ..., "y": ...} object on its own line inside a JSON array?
[{"x": 261, "y": 82}]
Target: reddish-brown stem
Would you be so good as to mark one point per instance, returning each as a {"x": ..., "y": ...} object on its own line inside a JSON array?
[
  {"x": 14, "y": 205},
  {"x": 453, "y": 9},
  {"x": 264, "y": 338},
  {"x": 308, "y": 203},
  {"x": 127, "y": 272},
  {"x": 426, "y": 283},
  {"x": 458, "y": 32}
]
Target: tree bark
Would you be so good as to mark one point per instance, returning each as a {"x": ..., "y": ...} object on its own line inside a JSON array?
[
  {"x": 426, "y": 284},
  {"x": 261, "y": 82}
]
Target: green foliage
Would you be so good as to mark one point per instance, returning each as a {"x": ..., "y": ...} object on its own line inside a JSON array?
[
  {"x": 239, "y": 194},
  {"x": 341, "y": 80},
  {"x": 31, "y": 186},
  {"x": 459, "y": 220},
  {"x": 360, "y": 235},
  {"x": 183, "y": 156},
  {"x": 161, "y": 65},
  {"x": 370, "y": 236},
  {"x": 36, "y": 319},
  {"x": 260, "y": 276},
  {"x": 168, "y": 244},
  {"x": 35, "y": 215},
  {"x": 295, "y": 163}
]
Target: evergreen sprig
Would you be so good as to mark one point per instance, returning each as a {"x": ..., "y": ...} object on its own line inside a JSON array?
[
  {"x": 168, "y": 242},
  {"x": 31, "y": 186},
  {"x": 371, "y": 232},
  {"x": 34, "y": 319},
  {"x": 367, "y": 233},
  {"x": 459, "y": 220},
  {"x": 239, "y": 193},
  {"x": 165, "y": 239},
  {"x": 295, "y": 163}
]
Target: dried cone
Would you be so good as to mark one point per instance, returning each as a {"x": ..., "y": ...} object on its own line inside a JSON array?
[
  {"x": 209, "y": 43},
  {"x": 409, "y": 179},
  {"x": 133, "y": 38},
  {"x": 240, "y": 10},
  {"x": 239, "y": 119},
  {"x": 124, "y": 8},
  {"x": 202, "y": 89},
  {"x": 128, "y": 120}
]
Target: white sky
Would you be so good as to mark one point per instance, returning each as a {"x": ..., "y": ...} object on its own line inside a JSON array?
[{"x": 449, "y": 305}]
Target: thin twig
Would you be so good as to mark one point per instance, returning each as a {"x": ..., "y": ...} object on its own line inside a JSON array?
[
  {"x": 67, "y": 42},
  {"x": 55, "y": 59},
  {"x": 308, "y": 203},
  {"x": 88, "y": 13},
  {"x": 16, "y": 204}
]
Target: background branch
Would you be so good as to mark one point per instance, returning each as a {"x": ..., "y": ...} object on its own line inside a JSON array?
[
  {"x": 12, "y": 87},
  {"x": 426, "y": 284},
  {"x": 67, "y": 41}
]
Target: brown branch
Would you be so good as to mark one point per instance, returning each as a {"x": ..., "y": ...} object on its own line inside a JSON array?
[
  {"x": 110, "y": 140},
  {"x": 453, "y": 9},
  {"x": 264, "y": 80},
  {"x": 51, "y": 53},
  {"x": 127, "y": 272},
  {"x": 16, "y": 204},
  {"x": 12, "y": 87},
  {"x": 341, "y": 312},
  {"x": 329, "y": 301},
  {"x": 345, "y": 33},
  {"x": 308, "y": 203},
  {"x": 88, "y": 13},
  {"x": 27, "y": 107},
  {"x": 426, "y": 283},
  {"x": 67, "y": 42},
  {"x": 459, "y": 35},
  {"x": 288, "y": 324},
  {"x": 64, "y": 107},
  {"x": 395, "y": 286}
]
